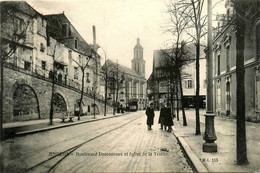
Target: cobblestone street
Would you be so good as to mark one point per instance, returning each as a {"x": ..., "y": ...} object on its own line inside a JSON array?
[{"x": 120, "y": 144}]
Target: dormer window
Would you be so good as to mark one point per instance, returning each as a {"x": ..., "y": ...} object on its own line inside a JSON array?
[
  {"x": 76, "y": 44},
  {"x": 66, "y": 32}
]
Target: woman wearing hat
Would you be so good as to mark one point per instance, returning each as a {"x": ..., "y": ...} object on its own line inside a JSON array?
[{"x": 150, "y": 116}]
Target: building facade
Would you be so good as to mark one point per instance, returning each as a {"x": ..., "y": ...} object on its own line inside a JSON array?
[
  {"x": 127, "y": 86},
  {"x": 224, "y": 57},
  {"x": 35, "y": 48},
  {"x": 159, "y": 88}
]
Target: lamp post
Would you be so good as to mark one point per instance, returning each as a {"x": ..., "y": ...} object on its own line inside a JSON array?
[{"x": 209, "y": 135}]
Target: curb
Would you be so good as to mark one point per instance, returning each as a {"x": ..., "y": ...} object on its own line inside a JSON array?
[
  {"x": 63, "y": 125},
  {"x": 192, "y": 158}
]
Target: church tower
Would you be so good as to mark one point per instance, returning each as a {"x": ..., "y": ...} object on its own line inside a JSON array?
[{"x": 138, "y": 63}]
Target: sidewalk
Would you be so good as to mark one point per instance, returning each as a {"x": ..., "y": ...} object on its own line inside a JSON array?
[
  {"x": 224, "y": 160},
  {"x": 28, "y": 127}
]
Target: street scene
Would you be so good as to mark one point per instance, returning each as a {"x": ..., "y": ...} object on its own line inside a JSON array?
[
  {"x": 130, "y": 86},
  {"x": 119, "y": 144}
]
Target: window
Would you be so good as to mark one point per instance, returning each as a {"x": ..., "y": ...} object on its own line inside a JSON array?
[
  {"x": 27, "y": 65},
  {"x": 88, "y": 80},
  {"x": 80, "y": 59},
  {"x": 70, "y": 54},
  {"x": 228, "y": 15},
  {"x": 42, "y": 48},
  {"x": 67, "y": 70},
  {"x": 218, "y": 94},
  {"x": 76, "y": 73},
  {"x": 88, "y": 108},
  {"x": 189, "y": 84},
  {"x": 48, "y": 38},
  {"x": 19, "y": 25},
  {"x": 76, "y": 44},
  {"x": 43, "y": 65},
  {"x": 228, "y": 57},
  {"x": 218, "y": 65}
]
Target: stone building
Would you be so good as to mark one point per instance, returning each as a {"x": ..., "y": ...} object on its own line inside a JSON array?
[
  {"x": 224, "y": 66},
  {"x": 159, "y": 89},
  {"x": 132, "y": 89},
  {"x": 36, "y": 47}
]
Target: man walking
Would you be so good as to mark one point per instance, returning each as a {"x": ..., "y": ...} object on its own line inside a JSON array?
[
  {"x": 150, "y": 116},
  {"x": 162, "y": 118},
  {"x": 168, "y": 117}
]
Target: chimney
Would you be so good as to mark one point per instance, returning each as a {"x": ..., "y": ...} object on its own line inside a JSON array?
[{"x": 94, "y": 35}]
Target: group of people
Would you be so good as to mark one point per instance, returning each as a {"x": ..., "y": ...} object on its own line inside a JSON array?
[{"x": 165, "y": 118}]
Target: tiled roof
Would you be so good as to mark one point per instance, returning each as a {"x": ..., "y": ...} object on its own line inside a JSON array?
[
  {"x": 58, "y": 20},
  {"x": 126, "y": 70}
]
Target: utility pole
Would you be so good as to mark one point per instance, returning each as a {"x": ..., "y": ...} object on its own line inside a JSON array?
[{"x": 209, "y": 135}]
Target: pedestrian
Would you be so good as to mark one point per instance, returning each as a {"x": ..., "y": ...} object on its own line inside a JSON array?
[
  {"x": 162, "y": 117},
  {"x": 168, "y": 117},
  {"x": 122, "y": 109},
  {"x": 150, "y": 116}
]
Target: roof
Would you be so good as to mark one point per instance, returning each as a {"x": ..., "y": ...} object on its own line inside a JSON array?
[
  {"x": 158, "y": 55},
  {"x": 126, "y": 70},
  {"x": 55, "y": 22},
  {"x": 20, "y": 6}
]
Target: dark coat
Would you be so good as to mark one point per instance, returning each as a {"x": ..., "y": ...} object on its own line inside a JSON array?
[
  {"x": 150, "y": 115},
  {"x": 168, "y": 118},
  {"x": 162, "y": 116}
]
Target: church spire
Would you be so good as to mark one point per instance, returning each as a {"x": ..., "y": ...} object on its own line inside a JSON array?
[{"x": 138, "y": 63}]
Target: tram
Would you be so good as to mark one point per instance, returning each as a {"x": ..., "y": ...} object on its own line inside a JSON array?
[{"x": 133, "y": 105}]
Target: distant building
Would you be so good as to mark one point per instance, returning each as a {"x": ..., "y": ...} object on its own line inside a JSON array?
[
  {"x": 159, "y": 89},
  {"x": 132, "y": 90},
  {"x": 224, "y": 66}
]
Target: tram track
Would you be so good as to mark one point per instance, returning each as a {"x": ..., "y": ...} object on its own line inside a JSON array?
[{"x": 52, "y": 162}]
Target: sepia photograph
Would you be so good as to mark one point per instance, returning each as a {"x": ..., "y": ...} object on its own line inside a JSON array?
[{"x": 130, "y": 86}]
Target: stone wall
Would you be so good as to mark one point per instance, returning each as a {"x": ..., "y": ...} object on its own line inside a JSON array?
[{"x": 39, "y": 89}]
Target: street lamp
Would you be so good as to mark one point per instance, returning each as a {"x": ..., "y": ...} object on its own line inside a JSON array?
[{"x": 209, "y": 135}]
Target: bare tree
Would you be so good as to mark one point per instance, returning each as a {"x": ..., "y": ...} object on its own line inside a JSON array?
[
  {"x": 174, "y": 64},
  {"x": 192, "y": 10},
  {"x": 95, "y": 84},
  {"x": 83, "y": 63},
  {"x": 115, "y": 76},
  {"x": 53, "y": 80},
  {"x": 177, "y": 25},
  {"x": 107, "y": 73}
]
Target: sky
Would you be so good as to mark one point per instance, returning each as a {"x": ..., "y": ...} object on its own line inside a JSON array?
[{"x": 118, "y": 25}]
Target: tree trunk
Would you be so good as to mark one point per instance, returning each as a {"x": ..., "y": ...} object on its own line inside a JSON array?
[
  {"x": 81, "y": 94},
  {"x": 240, "y": 94},
  {"x": 172, "y": 102},
  {"x": 177, "y": 97},
  {"x": 2, "y": 97},
  {"x": 182, "y": 107},
  {"x": 197, "y": 89},
  {"x": 105, "y": 109},
  {"x": 52, "y": 95}
]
